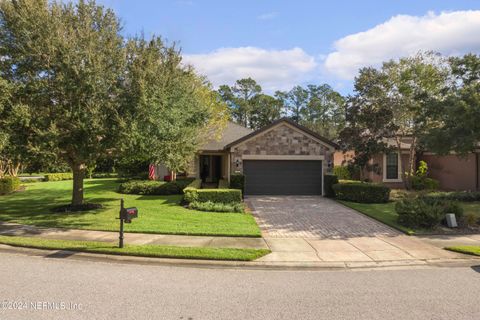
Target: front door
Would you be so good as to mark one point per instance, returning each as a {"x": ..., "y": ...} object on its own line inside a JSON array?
[{"x": 210, "y": 168}]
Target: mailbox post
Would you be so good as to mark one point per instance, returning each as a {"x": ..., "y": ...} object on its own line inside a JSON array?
[{"x": 126, "y": 216}]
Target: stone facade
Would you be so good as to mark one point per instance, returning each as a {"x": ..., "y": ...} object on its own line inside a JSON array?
[{"x": 282, "y": 140}]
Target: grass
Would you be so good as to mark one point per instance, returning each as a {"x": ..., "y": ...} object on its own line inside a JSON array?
[
  {"x": 137, "y": 250},
  {"x": 385, "y": 213},
  {"x": 157, "y": 214},
  {"x": 473, "y": 250}
]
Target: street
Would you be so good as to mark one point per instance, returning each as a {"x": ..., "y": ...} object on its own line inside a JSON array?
[{"x": 56, "y": 288}]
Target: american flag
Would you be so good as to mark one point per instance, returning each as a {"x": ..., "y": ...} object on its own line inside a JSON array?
[{"x": 151, "y": 172}]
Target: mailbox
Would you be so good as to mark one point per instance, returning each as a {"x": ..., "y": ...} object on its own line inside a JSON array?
[{"x": 128, "y": 214}]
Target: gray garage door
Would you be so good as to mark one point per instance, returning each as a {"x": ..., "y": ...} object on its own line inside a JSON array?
[{"x": 283, "y": 177}]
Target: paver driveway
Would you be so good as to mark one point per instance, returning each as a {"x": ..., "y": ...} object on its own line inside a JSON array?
[{"x": 312, "y": 217}]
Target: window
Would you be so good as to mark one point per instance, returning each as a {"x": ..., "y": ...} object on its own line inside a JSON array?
[{"x": 391, "y": 166}]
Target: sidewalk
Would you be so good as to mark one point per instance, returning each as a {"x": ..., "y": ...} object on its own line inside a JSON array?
[
  {"x": 132, "y": 238},
  {"x": 358, "y": 251}
]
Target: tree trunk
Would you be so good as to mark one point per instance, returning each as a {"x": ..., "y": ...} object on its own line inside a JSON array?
[
  {"x": 412, "y": 161},
  {"x": 78, "y": 176},
  {"x": 400, "y": 163},
  {"x": 3, "y": 168},
  {"x": 13, "y": 168}
]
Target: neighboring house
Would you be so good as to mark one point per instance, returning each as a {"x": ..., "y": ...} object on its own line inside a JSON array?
[
  {"x": 282, "y": 158},
  {"x": 452, "y": 171}
]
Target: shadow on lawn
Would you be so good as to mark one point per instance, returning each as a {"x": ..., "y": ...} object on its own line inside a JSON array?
[{"x": 173, "y": 200}]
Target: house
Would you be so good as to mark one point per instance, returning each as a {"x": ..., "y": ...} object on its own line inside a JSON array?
[
  {"x": 283, "y": 158},
  {"x": 452, "y": 171}
]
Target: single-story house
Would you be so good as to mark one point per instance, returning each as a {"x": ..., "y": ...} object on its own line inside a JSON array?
[
  {"x": 283, "y": 158},
  {"x": 452, "y": 171}
]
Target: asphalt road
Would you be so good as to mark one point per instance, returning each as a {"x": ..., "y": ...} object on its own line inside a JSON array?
[{"x": 99, "y": 290}]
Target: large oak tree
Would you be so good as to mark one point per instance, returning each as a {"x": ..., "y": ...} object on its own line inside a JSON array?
[
  {"x": 82, "y": 91},
  {"x": 68, "y": 62}
]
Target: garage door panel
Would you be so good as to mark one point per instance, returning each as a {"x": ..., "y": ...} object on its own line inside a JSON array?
[{"x": 283, "y": 177}]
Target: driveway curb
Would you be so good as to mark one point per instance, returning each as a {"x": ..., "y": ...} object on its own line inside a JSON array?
[{"x": 252, "y": 265}]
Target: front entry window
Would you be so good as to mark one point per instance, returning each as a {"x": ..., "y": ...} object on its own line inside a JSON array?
[{"x": 392, "y": 166}]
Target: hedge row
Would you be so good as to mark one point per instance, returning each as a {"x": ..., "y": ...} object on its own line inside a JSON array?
[
  {"x": 363, "y": 192},
  {"x": 464, "y": 196},
  {"x": 9, "y": 184},
  {"x": 152, "y": 187},
  {"x": 212, "y": 195},
  {"x": 193, "y": 193},
  {"x": 58, "y": 176}
]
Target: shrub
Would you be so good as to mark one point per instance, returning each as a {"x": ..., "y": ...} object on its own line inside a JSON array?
[
  {"x": 424, "y": 183},
  {"x": 237, "y": 181},
  {"x": 416, "y": 213},
  {"x": 58, "y": 176},
  {"x": 448, "y": 206},
  {"x": 223, "y": 184},
  {"x": 190, "y": 192},
  {"x": 152, "y": 187},
  {"x": 342, "y": 172},
  {"x": 9, "y": 184},
  {"x": 196, "y": 183},
  {"x": 217, "y": 207},
  {"x": 362, "y": 192},
  {"x": 426, "y": 212},
  {"x": 190, "y": 195},
  {"x": 471, "y": 219},
  {"x": 329, "y": 180}
]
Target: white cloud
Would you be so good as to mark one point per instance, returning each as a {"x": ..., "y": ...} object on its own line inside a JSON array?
[
  {"x": 450, "y": 33},
  {"x": 267, "y": 16},
  {"x": 273, "y": 69}
]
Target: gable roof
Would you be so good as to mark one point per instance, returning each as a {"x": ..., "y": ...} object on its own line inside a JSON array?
[
  {"x": 288, "y": 121},
  {"x": 231, "y": 133}
]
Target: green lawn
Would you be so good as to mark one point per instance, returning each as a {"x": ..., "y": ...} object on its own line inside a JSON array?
[
  {"x": 137, "y": 250},
  {"x": 385, "y": 212},
  {"x": 473, "y": 250},
  {"x": 157, "y": 214}
]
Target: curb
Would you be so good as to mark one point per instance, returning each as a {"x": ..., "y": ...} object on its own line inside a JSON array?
[{"x": 251, "y": 265}]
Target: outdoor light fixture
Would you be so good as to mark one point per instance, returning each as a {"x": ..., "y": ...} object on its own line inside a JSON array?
[{"x": 237, "y": 162}]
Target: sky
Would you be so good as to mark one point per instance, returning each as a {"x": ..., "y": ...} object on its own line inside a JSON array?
[{"x": 286, "y": 43}]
